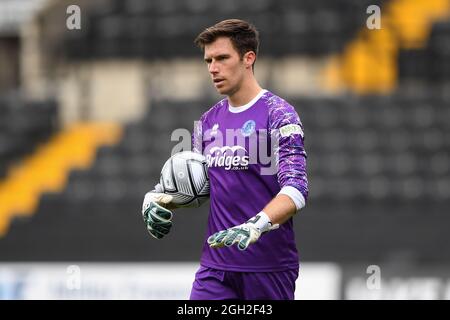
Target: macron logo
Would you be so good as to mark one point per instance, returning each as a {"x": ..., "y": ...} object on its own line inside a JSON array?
[{"x": 214, "y": 130}]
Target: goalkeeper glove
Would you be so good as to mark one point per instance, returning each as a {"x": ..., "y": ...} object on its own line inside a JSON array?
[
  {"x": 244, "y": 234},
  {"x": 155, "y": 212}
]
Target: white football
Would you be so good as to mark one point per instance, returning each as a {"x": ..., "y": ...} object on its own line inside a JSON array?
[{"x": 185, "y": 177}]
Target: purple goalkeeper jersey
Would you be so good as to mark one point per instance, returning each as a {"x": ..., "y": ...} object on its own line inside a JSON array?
[{"x": 253, "y": 152}]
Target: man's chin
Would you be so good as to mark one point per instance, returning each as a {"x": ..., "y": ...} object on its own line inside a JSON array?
[
  {"x": 227, "y": 91},
  {"x": 222, "y": 91}
]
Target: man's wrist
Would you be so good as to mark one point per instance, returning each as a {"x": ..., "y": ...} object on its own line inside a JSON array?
[{"x": 262, "y": 222}]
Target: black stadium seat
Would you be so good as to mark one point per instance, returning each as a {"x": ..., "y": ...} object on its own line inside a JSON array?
[
  {"x": 23, "y": 126},
  {"x": 165, "y": 29}
]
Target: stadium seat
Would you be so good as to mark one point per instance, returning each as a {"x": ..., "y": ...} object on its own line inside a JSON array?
[{"x": 132, "y": 29}]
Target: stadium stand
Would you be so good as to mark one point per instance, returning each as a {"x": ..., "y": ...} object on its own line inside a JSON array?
[
  {"x": 378, "y": 165},
  {"x": 378, "y": 170},
  {"x": 23, "y": 126},
  {"x": 405, "y": 25},
  {"x": 164, "y": 29},
  {"x": 46, "y": 170},
  {"x": 430, "y": 63}
]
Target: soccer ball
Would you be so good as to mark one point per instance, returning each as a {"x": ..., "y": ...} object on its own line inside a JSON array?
[{"x": 185, "y": 177}]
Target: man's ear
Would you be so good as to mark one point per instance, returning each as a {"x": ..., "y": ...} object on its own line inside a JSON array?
[{"x": 249, "y": 59}]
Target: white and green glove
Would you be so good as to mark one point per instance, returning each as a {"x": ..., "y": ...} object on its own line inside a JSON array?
[
  {"x": 244, "y": 234},
  {"x": 156, "y": 213}
]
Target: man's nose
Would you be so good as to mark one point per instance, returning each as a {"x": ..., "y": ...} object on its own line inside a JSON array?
[{"x": 213, "y": 68}]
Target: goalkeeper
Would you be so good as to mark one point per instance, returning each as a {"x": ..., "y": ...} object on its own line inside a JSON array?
[{"x": 250, "y": 251}]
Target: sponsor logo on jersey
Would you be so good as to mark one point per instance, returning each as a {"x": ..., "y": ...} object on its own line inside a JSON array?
[
  {"x": 260, "y": 148},
  {"x": 231, "y": 158},
  {"x": 290, "y": 129}
]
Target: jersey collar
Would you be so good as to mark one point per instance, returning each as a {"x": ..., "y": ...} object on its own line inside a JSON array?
[{"x": 247, "y": 105}]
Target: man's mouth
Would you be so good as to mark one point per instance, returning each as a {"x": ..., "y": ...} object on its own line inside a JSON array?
[{"x": 218, "y": 81}]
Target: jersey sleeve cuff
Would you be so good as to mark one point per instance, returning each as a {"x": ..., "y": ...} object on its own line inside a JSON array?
[{"x": 295, "y": 195}]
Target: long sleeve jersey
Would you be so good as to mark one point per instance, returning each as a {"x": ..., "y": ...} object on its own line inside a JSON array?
[{"x": 253, "y": 152}]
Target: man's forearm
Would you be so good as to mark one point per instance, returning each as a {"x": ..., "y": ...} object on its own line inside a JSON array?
[{"x": 280, "y": 209}]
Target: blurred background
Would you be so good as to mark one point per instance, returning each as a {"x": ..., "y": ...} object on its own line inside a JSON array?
[{"x": 90, "y": 93}]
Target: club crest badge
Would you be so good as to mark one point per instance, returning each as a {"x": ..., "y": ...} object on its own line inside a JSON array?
[{"x": 248, "y": 128}]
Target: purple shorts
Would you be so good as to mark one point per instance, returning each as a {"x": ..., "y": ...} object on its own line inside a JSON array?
[{"x": 213, "y": 284}]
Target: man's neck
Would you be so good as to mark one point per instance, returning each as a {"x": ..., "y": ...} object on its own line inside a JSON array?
[{"x": 245, "y": 94}]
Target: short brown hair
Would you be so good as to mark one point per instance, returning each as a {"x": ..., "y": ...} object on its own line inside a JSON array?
[{"x": 243, "y": 35}]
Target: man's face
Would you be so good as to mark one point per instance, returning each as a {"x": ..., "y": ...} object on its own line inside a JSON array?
[{"x": 226, "y": 68}]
